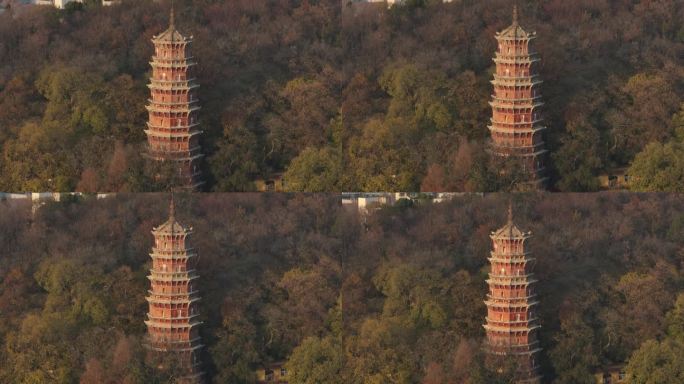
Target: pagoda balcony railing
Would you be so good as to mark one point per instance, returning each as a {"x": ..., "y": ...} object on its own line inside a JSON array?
[
  {"x": 189, "y": 57},
  {"x": 518, "y": 146},
  {"x": 186, "y": 109},
  {"x": 532, "y": 122},
  {"x": 533, "y": 129},
  {"x": 527, "y": 329},
  {"x": 515, "y": 105},
  {"x": 515, "y": 349},
  {"x": 516, "y": 60},
  {"x": 530, "y": 53},
  {"x": 511, "y": 298},
  {"x": 516, "y": 322},
  {"x": 506, "y": 261},
  {"x": 163, "y": 156},
  {"x": 518, "y": 151},
  {"x": 171, "y": 103},
  {"x": 510, "y": 253},
  {"x": 173, "y": 276},
  {"x": 189, "y": 155},
  {"x": 170, "y": 152},
  {"x": 169, "y": 294},
  {"x": 516, "y": 100},
  {"x": 151, "y": 132},
  {"x": 509, "y": 282},
  {"x": 500, "y": 304},
  {"x": 169, "y": 344},
  {"x": 174, "y": 127},
  {"x": 513, "y": 256},
  {"x": 190, "y": 273},
  {"x": 527, "y": 81},
  {"x": 187, "y": 250},
  {"x": 173, "y": 84},
  {"x": 172, "y": 254},
  {"x": 171, "y": 318},
  {"x": 158, "y": 61},
  {"x": 522, "y": 328},
  {"x": 155, "y": 300},
  {"x": 173, "y": 81},
  {"x": 494, "y": 275},
  {"x": 191, "y": 324},
  {"x": 169, "y": 341},
  {"x": 517, "y": 77}
]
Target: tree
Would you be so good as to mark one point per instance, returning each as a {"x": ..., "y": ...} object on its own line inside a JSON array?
[
  {"x": 316, "y": 361},
  {"x": 578, "y": 159},
  {"x": 659, "y": 167},
  {"x": 657, "y": 363},
  {"x": 574, "y": 357},
  {"x": 315, "y": 170},
  {"x": 675, "y": 319},
  {"x": 234, "y": 164}
]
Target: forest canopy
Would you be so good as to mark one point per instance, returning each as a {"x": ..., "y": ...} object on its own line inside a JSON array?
[
  {"x": 339, "y": 97},
  {"x": 396, "y": 297}
]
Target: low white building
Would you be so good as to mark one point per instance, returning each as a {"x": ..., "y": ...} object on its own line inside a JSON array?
[{"x": 63, "y": 3}]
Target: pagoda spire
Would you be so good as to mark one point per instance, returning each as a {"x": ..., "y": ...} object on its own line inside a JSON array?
[
  {"x": 172, "y": 21},
  {"x": 172, "y": 209},
  {"x": 515, "y": 14}
]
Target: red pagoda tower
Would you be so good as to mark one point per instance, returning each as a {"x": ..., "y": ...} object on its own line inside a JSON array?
[
  {"x": 516, "y": 124},
  {"x": 172, "y": 320},
  {"x": 173, "y": 125},
  {"x": 511, "y": 324}
]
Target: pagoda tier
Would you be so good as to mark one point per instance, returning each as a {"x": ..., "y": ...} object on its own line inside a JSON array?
[
  {"x": 173, "y": 125},
  {"x": 516, "y": 124},
  {"x": 173, "y": 317},
  {"x": 511, "y": 323}
]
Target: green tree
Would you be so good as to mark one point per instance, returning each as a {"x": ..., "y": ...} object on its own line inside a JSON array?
[
  {"x": 675, "y": 319},
  {"x": 316, "y": 361},
  {"x": 659, "y": 167},
  {"x": 315, "y": 170},
  {"x": 578, "y": 159},
  {"x": 657, "y": 363},
  {"x": 574, "y": 356}
]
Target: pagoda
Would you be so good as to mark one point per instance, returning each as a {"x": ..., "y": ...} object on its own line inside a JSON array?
[
  {"x": 172, "y": 320},
  {"x": 173, "y": 125},
  {"x": 516, "y": 124},
  {"x": 511, "y": 323}
]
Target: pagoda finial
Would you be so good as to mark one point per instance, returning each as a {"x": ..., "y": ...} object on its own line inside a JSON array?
[
  {"x": 515, "y": 14},
  {"x": 510, "y": 212},
  {"x": 172, "y": 21},
  {"x": 172, "y": 209}
]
